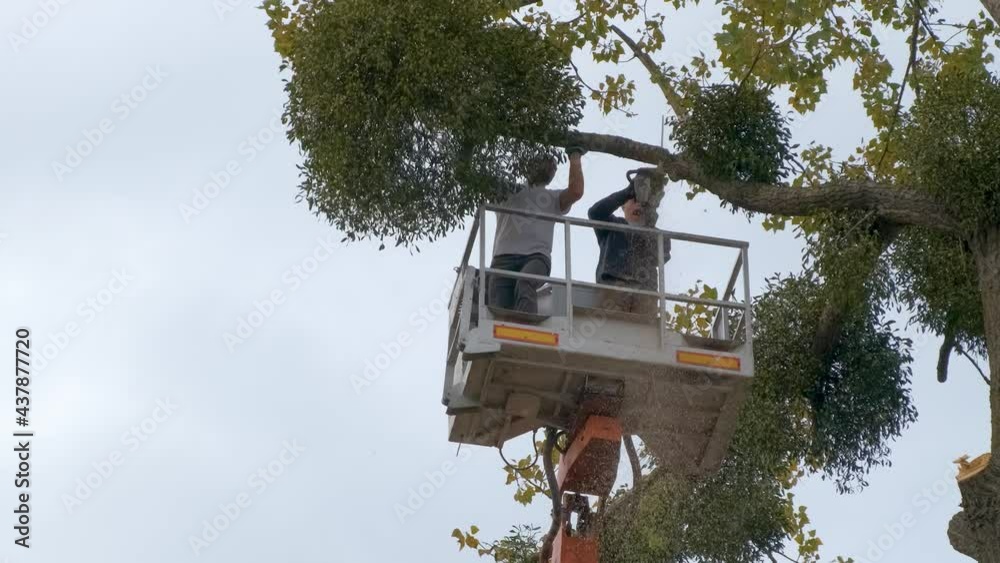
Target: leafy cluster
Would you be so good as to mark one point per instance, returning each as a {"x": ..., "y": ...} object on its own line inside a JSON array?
[
  {"x": 411, "y": 114},
  {"x": 733, "y": 517},
  {"x": 949, "y": 144},
  {"x": 735, "y": 133},
  {"x": 835, "y": 416},
  {"x": 520, "y": 545},
  {"x": 935, "y": 275},
  {"x": 846, "y": 408}
]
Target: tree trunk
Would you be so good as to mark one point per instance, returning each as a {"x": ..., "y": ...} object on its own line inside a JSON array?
[
  {"x": 976, "y": 530},
  {"x": 993, "y": 7}
]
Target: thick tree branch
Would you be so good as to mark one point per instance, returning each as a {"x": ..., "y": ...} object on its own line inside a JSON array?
[
  {"x": 993, "y": 7},
  {"x": 974, "y": 530},
  {"x": 986, "y": 249},
  {"x": 900, "y": 205},
  {"x": 947, "y": 347},
  {"x": 832, "y": 319}
]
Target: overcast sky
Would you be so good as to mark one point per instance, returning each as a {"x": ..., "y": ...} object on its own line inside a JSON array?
[{"x": 156, "y": 411}]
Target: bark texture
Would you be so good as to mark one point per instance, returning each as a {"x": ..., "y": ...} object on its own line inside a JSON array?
[
  {"x": 976, "y": 530},
  {"x": 550, "y": 475},
  {"x": 900, "y": 205},
  {"x": 986, "y": 248},
  {"x": 993, "y": 7}
]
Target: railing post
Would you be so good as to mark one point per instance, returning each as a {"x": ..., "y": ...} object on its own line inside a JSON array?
[
  {"x": 748, "y": 311},
  {"x": 661, "y": 301},
  {"x": 724, "y": 324},
  {"x": 569, "y": 280},
  {"x": 482, "y": 264}
]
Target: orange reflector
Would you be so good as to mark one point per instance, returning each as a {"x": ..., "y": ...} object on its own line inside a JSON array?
[
  {"x": 525, "y": 335},
  {"x": 708, "y": 360}
]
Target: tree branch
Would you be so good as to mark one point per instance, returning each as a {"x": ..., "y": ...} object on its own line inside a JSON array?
[
  {"x": 900, "y": 205},
  {"x": 633, "y": 459},
  {"x": 975, "y": 364},
  {"x": 655, "y": 73},
  {"x": 832, "y": 318},
  {"x": 518, "y": 4},
  {"x": 993, "y": 7},
  {"x": 914, "y": 38},
  {"x": 947, "y": 347},
  {"x": 550, "y": 474}
]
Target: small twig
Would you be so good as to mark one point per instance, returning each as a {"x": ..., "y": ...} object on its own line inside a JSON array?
[
  {"x": 902, "y": 87},
  {"x": 517, "y": 21},
  {"x": 974, "y": 363},
  {"x": 656, "y": 75},
  {"x": 753, "y": 65},
  {"x": 927, "y": 26},
  {"x": 954, "y": 35},
  {"x": 580, "y": 79}
]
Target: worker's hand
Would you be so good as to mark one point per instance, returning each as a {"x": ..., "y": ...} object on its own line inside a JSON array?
[{"x": 575, "y": 149}]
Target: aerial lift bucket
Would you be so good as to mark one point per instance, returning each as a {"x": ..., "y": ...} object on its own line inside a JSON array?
[{"x": 508, "y": 374}]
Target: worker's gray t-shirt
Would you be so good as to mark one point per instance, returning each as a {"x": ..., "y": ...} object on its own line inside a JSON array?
[{"x": 524, "y": 235}]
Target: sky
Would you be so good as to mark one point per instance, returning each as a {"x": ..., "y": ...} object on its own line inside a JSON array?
[{"x": 194, "y": 328}]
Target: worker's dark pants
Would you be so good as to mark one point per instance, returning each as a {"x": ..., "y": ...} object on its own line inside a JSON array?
[{"x": 517, "y": 294}]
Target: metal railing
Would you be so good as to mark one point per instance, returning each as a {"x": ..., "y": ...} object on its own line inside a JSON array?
[{"x": 721, "y": 320}]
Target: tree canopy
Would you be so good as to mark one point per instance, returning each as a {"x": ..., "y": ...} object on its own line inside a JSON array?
[{"x": 411, "y": 114}]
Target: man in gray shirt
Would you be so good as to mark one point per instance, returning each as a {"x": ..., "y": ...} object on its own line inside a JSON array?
[{"x": 524, "y": 244}]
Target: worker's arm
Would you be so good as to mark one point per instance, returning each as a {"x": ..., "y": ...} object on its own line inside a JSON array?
[
  {"x": 605, "y": 208},
  {"x": 574, "y": 192}
]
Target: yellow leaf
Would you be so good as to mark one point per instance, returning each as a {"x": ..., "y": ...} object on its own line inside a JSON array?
[{"x": 457, "y": 534}]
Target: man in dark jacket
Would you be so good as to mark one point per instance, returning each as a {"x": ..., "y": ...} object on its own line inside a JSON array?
[{"x": 628, "y": 259}]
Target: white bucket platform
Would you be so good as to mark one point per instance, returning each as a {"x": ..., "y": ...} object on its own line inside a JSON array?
[{"x": 508, "y": 374}]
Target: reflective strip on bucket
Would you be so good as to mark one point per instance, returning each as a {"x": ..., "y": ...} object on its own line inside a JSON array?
[
  {"x": 709, "y": 360},
  {"x": 527, "y": 335}
]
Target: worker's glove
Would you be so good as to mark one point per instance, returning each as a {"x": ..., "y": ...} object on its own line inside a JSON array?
[{"x": 575, "y": 149}]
